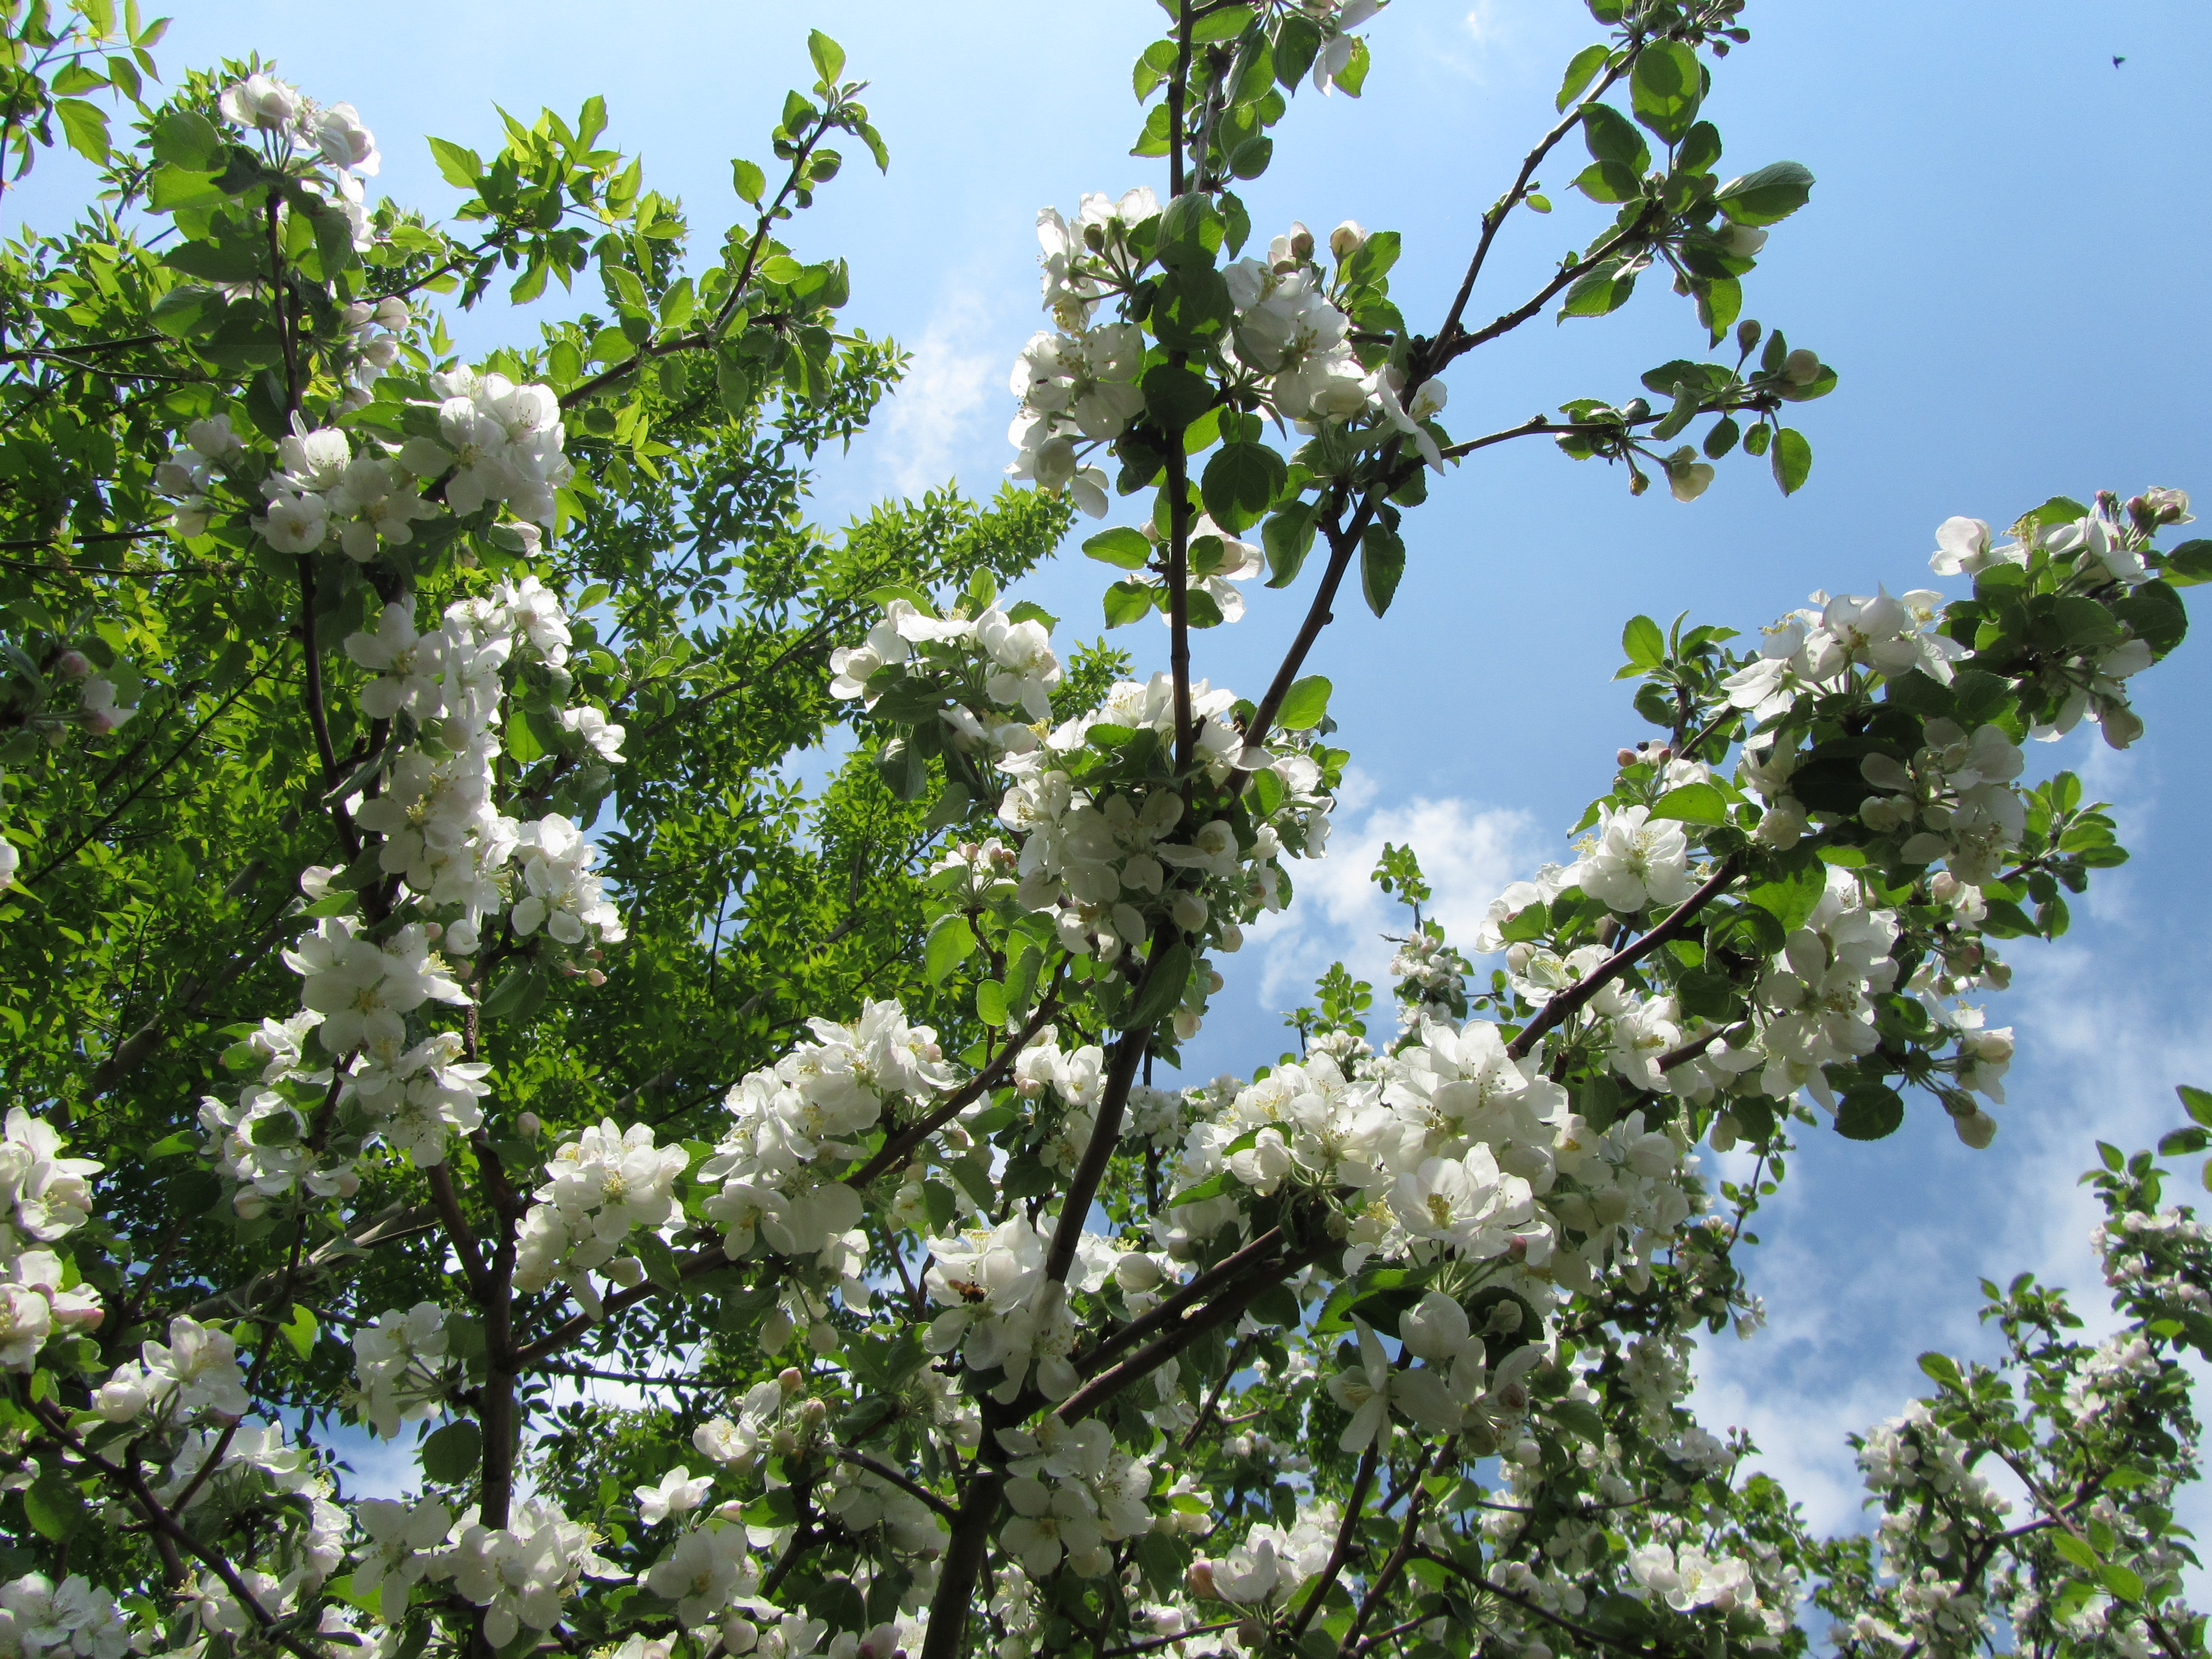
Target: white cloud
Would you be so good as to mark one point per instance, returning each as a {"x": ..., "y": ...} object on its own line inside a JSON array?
[
  {"x": 940, "y": 408},
  {"x": 1468, "y": 854}
]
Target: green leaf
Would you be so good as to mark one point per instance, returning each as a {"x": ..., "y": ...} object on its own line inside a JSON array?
[
  {"x": 747, "y": 179},
  {"x": 1225, "y": 24},
  {"x": 1692, "y": 803},
  {"x": 1304, "y": 705},
  {"x": 1579, "y": 1416},
  {"x": 2075, "y": 1550},
  {"x": 85, "y": 126},
  {"x": 1581, "y": 69},
  {"x": 1165, "y": 980},
  {"x": 991, "y": 1002},
  {"x": 2189, "y": 564},
  {"x": 451, "y": 1455},
  {"x": 1288, "y": 536},
  {"x": 53, "y": 1506},
  {"x": 1381, "y": 562},
  {"x": 2122, "y": 1581},
  {"x": 1128, "y": 602},
  {"x": 1766, "y": 197},
  {"x": 1611, "y": 137},
  {"x": 1174, "y": 396},
  {"x": 1643, "y": 642},
  {"x": 829, "y": 57},
  {"x": 1241, "y": 483},
  {"x": 1791, "y": 897},
  {"x": 1121, "y": 546},
  {"x": 300, "y": 1330},
  {"x": 2197, "y": 1102},
  {"x": 1665, "y": 88},
  {"x": 457, "y": 165},
  {"x": 951, "y": 941},
  {"x": 1869, "y": 1113},
  {"x": 1941, "y": 1368},
  {"x": 1792, "y": 459},
  {"x": 186, "y": 139}
]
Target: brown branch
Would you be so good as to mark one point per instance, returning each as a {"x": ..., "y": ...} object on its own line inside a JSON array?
[
  {"x": 1166, "y": 1312},
  {"x": 1362, "y": 1484},
  {"x": 913, "y": 1489},
  {"x": 1569, "y": 1001},
  {"x": 1498, "y": 212},
  {"x": 1379, "y": 1586},
  {"x": 975, "y": 1088}
]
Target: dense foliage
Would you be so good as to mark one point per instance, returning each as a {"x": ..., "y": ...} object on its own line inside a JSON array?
[{"x": 432, "y": 1000}]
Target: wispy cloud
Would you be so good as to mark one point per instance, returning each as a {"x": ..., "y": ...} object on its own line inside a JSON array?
[
  {"x": 1469, "y": 854},
  {"x": 940, "y": 410}
]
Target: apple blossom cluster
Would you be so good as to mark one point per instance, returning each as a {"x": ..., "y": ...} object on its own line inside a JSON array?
[
  {"x": 1074, "y": 1493},
  {"x": 1446, "y": 1148},
  {"x": 1103, "y": 864},
  {"x": 599, "y": 1188},
  {"x": 330, "y": 134},
  {"x": 400, "y": 1366},
  {"x": 44, "y": 1197},
  {"x": 1002, "y": 1313},
  {"x": 1078, "y": 383},
  {"x": 72, "y": 1619},
  {"x": 521, "y": 1575},
  {"x": 793, "y": 1128},
  {"x": 2100, "y": 551},
  {"x": 454, "y": 855}
]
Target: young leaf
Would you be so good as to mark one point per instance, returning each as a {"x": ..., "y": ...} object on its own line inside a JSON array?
[
  {"x": 829, "y": 57},
  {"x": 1305, "y": 705},
  {"x": 1766, "y": 197},
  {"x": 456, "y": 166},
  {"x": 1581, "y": 69},
  {"x": 951, "y": 941},
  {"x": 1645, "y": 646},
  {"x": 1119, "y": 546},
  {"x": 1792, "y": 459},
  {"x": 748, "y": 181},
  {"x": 1665, "y": 86},
  {"x": 1692, "y": 803},
  {"x": 1381, "y": 562}
]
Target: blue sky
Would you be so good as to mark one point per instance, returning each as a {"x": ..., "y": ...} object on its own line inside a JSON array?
[{"x": 2004, "y": 257}]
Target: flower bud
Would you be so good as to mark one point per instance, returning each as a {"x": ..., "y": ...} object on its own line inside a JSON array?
[
  {"x": 528, "y": 1123},
  {"x": 1198, "y": 1581},
  {"x": 1187, "y": 910},
  {"x": 1802, "y": 367},
  {"x": 2167, "y": 506},
  {"x": 1625, "y": 757},
  {"x": 1186, "y": 1025},
  {"x": 1232, "y": 939},
  {"x": 1976, "y": 1128},
  {"x": 73, "y": 664},
  {"x": 822, "y": 1338},
  {"x": 812, "y": 1413},
  {"x": 1743, "y": 242},
  {"x": 1136, "y": 1271},
  {"x": 790, "y": 1379},
  {"x": 1302, "y": 242},
  {"x": 1347, "y": 239}
]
